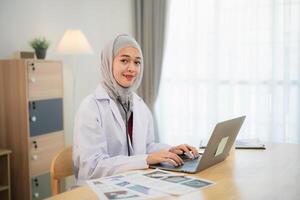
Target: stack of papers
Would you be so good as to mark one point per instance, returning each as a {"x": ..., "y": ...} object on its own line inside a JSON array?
[
  {"x": 249, "y": 144},
  {"x": 146, "y": 185},
  {"x": 242, "y": 144}
]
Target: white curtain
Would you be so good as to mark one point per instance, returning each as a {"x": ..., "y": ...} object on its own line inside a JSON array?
[{"x": 229, "y": 58}]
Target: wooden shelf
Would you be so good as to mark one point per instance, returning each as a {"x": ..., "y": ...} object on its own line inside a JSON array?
[
  {"x": 4, "y": 152},
  {"x": 25, "y": 120},
  {"x": 2, "y": 188},
  {"x": 5, "y": 174}
]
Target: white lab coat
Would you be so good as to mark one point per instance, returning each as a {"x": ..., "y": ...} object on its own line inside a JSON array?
[{"x": 100, "y": 147}]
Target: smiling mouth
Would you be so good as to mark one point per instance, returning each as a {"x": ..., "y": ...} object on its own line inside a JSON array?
[{"x": 129, "y": 77}]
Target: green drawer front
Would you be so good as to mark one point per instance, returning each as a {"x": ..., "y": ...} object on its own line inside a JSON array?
[{"x": 41, "y": 186}]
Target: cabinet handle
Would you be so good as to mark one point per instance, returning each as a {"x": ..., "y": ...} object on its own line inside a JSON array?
[
  {"x": 33, "y": 118},
  {"x": 34, "y": 157},
  {"x": 36, "y": 195},
  {"x": 32, "y": 80}
]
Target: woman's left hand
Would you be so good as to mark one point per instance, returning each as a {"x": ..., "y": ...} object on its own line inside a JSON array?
[{"x": 185, "y": 148}]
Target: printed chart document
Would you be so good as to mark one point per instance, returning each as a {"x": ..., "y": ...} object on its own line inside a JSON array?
[
  {"x": 145, "y": 185},
  {"x": 117, "y": 188}
]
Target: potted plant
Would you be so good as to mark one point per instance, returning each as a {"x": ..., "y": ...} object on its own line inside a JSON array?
[{"x": 40, "y": 45}]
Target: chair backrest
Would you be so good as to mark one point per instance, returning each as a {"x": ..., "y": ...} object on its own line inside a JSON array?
[{"x": 61, "y": 167}]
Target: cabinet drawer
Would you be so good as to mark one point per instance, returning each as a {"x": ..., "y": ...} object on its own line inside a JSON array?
[
  {"x": 41, "y": 186},
  {"x": 43, "y": 149},
  {"x": 45, "y": 80},
  {"x": 45, "y": 116}
]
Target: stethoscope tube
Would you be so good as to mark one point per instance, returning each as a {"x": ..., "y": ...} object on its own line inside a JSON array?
[{"x": 126, "y": 124}]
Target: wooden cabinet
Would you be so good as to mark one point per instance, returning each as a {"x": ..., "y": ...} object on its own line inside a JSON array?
[
  {"x": 5, "y": 191},
  {"x": 31, "y": 122}
]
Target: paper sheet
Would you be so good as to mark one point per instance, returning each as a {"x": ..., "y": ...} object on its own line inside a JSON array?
[{"x": 138, "y": 185}]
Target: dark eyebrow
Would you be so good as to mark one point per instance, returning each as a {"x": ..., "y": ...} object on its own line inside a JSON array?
[{"x": 127, "y": 56}]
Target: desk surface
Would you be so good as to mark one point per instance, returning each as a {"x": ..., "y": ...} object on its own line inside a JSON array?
[{"x": 273, "y": 173}]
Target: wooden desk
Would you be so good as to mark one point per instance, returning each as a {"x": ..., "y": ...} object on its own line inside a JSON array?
[{"x": 247, "y": 174}]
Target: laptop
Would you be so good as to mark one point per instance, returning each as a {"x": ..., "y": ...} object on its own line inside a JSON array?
[{"x": 217, "y": 149}]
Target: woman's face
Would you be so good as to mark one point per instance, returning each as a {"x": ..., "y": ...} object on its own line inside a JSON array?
[{"x": 126, "y": 66}]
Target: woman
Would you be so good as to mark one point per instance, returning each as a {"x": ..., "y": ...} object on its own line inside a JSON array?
[{"x": 113, "y": 129}]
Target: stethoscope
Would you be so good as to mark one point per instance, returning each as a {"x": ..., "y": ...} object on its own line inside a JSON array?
[{"x": 126, "y": 119}]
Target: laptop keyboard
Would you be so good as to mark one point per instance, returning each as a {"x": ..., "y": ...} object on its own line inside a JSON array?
[
  {"x": 189, "y": 164},
  {"x": 185, "y": 157}
]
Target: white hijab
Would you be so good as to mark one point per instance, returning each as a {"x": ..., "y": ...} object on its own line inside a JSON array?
[{"x": 114, "y": 90}]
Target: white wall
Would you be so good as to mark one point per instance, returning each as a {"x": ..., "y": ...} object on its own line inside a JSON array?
[{"x": 100, "y": 20}]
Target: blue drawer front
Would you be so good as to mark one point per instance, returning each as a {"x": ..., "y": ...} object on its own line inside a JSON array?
[
  {"x": 45, "y": 116},
  {"x": 41, "y": 187}
]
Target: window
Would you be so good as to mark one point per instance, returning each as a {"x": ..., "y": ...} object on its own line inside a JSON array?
[{"x": 229, "y": 58}]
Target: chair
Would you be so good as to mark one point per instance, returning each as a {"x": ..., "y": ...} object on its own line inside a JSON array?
[{"x": 61, "y": 167}]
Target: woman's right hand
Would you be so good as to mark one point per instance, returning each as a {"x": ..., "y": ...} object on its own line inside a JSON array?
[{"x": 164, "y": 156}]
